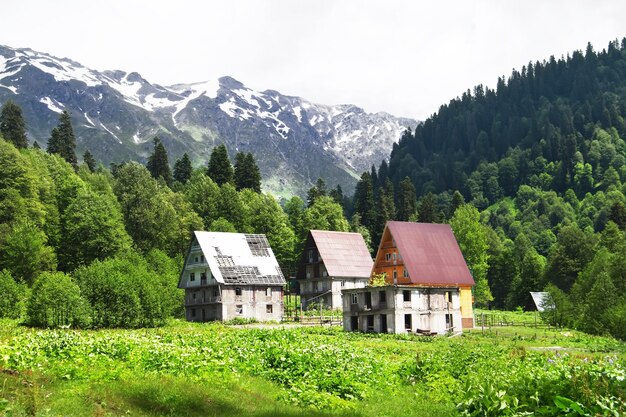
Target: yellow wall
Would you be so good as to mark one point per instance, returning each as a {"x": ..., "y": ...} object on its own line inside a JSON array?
[{"x": 466, "y": 302}]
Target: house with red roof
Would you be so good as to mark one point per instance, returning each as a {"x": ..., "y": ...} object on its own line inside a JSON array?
[
  {"x": 331, "y": 262},
  {"x": 429, "y": 286}
]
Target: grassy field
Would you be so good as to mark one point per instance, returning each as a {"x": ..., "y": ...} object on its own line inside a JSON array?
[{"x": 189, "y": 369}]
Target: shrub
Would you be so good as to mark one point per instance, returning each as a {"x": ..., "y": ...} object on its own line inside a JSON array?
[{"x": 55, "y": 300}]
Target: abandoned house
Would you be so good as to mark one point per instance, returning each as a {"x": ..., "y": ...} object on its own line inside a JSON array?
[
  {"x": 330, "y": 263},
  {"x": 429, "y": 286},
  {"x": 231, "y": 275}
]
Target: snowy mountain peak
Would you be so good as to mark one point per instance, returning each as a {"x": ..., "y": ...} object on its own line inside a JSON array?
[{"x": 116, "y": 114}]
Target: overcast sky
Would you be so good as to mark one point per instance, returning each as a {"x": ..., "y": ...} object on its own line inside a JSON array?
[{"x": 403, "y": 57}]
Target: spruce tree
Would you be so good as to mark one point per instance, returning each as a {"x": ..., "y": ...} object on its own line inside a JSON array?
[
  {"x": 318, "y": 190},
  {"x": 89, "y": 160},
  {"x": 36, "y": 145},
  {"x": 337, "y": 195},
  {"x": 220, "y": 170},
  {"x": 427, "y": 212},
  {"x": 62, "y": 141},
  {"x": 247, "y": 173},
  {"x": 158, "y": 164},
  {"x": 457, "y": 201},
  {"x": 407, "y": 200},
  {"x": 364, "y": 201},
  {"x": 183, "y": 169},
  {"x": 12, "y": 125}
]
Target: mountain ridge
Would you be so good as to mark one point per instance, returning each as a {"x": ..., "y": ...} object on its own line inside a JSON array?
[{"x": 117, "y": 113}]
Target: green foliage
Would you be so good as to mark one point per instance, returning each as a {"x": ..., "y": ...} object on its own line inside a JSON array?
[
  {"x": 126, "y": 292},
  {"x": 89, "y": 160},
  {"x": 222, "y": 225},
  {"x": 183, "y": 169},
  {"x": 25, "y": 253},
  {"x": 377, "y": 280},
  {"x": 93, "y": 230},
  {"x": 12, "y": 294},
  {"x": 247, "y": 173},
  {"x": 472, "y": 239},
  {"x": 220, "y": 169},
  {"x": 55, "y": 300},
  {"x": 62, "y": 140},
  {"x": 12, "y": 125},
  {"x": 158, "y": 163},
  {"x": 325, "y": 214}
]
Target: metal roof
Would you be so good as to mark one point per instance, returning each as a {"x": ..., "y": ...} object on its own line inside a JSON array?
[
  {"x": 237, "y": 258},
  {"x": 541, "y": 300},
  {"x": 344, "y": 254},
  {"x": 430, "y": 253}
]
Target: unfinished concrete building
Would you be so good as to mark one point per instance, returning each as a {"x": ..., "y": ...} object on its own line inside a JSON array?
[
  {"x": 231, "y": 275},
  {"x": 331, "y": 262},
  {"x": 429, "y": 286}
]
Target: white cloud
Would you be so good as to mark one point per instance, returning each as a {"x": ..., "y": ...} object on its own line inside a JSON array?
[{"x": 403, "y": 57}]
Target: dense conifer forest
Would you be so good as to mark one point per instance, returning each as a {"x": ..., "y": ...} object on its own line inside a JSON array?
[{"x": 543, "y": 158}]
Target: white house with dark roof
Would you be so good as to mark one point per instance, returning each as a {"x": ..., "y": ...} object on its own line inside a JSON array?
[
  {"x": 231, "y": 275},
  {"x": 331, "y": 262}
]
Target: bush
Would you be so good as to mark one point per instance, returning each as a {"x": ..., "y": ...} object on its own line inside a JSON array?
[
  {"x": 12, "y": 294},
  {"x": 55, "y": 300}
]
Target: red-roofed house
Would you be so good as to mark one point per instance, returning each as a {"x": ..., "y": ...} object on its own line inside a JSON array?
[
  {"x": 430, "y": 285},
  {"x": 332, "y": 261}
]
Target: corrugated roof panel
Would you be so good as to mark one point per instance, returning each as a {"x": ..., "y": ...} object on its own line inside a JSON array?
[
  {"x": 430, "y": 253},
  {"x": 344, "y": 254}
]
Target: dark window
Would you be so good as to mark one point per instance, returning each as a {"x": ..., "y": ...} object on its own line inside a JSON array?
[
  {"x": 192, "y": 276},
  {"x": 370, "y": 323},
  {"x": 354, "y": 323},
  {"x": 203, "y": 276},
  {"x": 268, "y": 309},
  {"x": 368, "y": 300},
  {"x": 449, "y": 323},
  {"x": 406, "y": 295},
  {"x": 383, "y": 323},
  {"x": 407, "y": 322},
  {"x": 382, "y": 299},
  {"x": 239, "y": 309},
  {"x": 193, "y": 312},
  {"x": 355, "y": 299},
  {"x": 216, "y": 292},
  {"x": 237, "y": 290}
]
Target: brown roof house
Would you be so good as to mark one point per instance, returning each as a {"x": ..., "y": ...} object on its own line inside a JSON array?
[
  {"x": 429, "y": 286},
  {"x": 230, "y": 275},
  {"x": 331, "y": 262}
]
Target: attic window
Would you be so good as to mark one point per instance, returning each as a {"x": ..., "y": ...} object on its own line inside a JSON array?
[
  {"x": 406, "y": 295},
  {"x": 192, "y": 276},
  {"x": 238, "y": 291},
  {"x": 405, "y": 273}
]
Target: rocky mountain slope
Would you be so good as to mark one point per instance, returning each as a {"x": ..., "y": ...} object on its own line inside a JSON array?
[{"x": 116, "y": 114}]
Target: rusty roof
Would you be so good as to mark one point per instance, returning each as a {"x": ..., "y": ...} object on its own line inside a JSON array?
[
  {"x": 344, "y": 254},
  {"x": 430, "y": 253}
]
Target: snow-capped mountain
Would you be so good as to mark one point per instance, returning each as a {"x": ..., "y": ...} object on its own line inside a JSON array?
[{"x": 116, "y": 114}]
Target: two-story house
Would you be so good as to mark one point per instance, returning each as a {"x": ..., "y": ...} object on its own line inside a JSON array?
[
  {"x": 330, "y": 263},
  {"x": 230, "y": 275},
  {"x": 429, "y": 286}
]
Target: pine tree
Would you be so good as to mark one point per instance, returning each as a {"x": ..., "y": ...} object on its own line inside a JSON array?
[
  {"x": 407, "y": 200},
  {"x": 337, "y": 195},
  {"x": 220, "y": 169},
  {"x": 427, "y": 212},
  {"x": 36, "y": 145},
  {"x": 457, "y": 201},
  {"x": 364, "y": 201},
  {"x": 318, "y": 190},
  {"x": 62, "y": 141},
  {"x": 183, "y": 169},
  {"x": 89, "y": 160},
  {"x": 158, "y": 163},
  {"x": 12, "y": 125},
  {"x": 247, "y": 173}
]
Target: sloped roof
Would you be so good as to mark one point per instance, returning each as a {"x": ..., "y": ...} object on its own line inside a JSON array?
[
  {"x": 237, "y": 258},
  {"x": 344, "y": 254},
  {"x": 430, "y": 253},
  {"x": 541, "y": 300}
]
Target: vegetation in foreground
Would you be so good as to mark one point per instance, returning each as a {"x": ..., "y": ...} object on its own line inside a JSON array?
[{"x": 194, "y": 369}]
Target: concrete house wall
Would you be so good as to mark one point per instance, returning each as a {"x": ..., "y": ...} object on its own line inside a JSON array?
[{"x": 401, "y": 309}]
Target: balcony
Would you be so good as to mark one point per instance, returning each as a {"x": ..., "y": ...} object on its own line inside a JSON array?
[{"x": 200, "y": 300}]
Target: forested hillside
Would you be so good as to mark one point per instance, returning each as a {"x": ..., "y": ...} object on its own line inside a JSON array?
[
  {"x": 542, "y": 157},
  {"x": 86, "y": 245}
]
